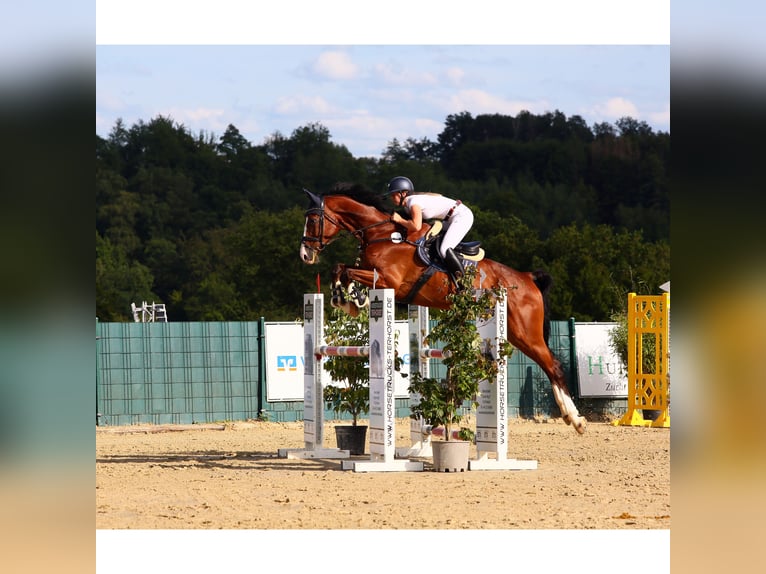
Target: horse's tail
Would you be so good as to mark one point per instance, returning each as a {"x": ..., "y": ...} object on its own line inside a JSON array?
[{"x": 544, "y": 281}]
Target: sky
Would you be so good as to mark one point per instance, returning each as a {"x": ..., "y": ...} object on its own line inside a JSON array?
[
  {"x": 397, "y": 73},
  {"x": 368, "y": 95}
]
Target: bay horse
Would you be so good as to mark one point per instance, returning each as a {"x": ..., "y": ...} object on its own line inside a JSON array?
[{"x": 388, "y": 259}]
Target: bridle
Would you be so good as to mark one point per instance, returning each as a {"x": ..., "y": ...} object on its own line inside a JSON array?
[
  {"x": 318, "y": 211},
  {"x": 357, "y": 233}
]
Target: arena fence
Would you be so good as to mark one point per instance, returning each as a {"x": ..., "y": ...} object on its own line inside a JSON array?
[{"x": 203, "y": 372}]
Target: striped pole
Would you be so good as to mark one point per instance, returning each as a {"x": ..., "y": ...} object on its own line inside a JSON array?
[
  {"x": 434, "y": 354},
  {"x": 337, "y": 351}
]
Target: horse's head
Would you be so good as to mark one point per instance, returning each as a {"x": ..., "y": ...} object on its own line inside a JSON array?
[
  {"x": 348, "y": 207},
  {"x": 321, "y": 227},
  {"x": 313, "y": 240}
]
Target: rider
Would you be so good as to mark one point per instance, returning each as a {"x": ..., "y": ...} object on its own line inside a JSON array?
[{"x": 455, "y": 215}]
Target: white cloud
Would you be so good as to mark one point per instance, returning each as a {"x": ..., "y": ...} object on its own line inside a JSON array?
[
  {"x": 107, "y": 100},
  {"x": 360, "y": 121},
  {"x": 481, "y": 102},
  {"x": 335, "y": 66},
  {"x": 362, "y": 133},
  {"x": 428, "y": 126},
  {"x": 660, "y": 118},
  {"x": 209, "y": 119},
  {"x": 387, "y": 74},
  {"x": 615, "y": 108},
  {"x": 303, "y": 104},
  {"x": 455, "y": 76},
  {"x": 102, "y": 124}
]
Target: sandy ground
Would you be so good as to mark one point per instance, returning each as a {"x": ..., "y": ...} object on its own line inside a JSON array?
[{"x": 229, "y": 476}]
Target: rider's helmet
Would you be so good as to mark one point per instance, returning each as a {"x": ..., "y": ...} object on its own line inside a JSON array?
[{"x": 401, "y": 184}]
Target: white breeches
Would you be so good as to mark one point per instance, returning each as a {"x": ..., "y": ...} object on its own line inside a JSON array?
[{"x": 458, "y": 227}]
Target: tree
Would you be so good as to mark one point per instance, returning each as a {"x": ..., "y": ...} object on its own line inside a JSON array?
[
  {"x": 441, "y": 401},
  {"x": 594, "y": 267},
  {"x": 455, "y": 134},
  {"x": 354, "y": 396},
  {"x": 210, "y": 224},
  {"x": 119, "y": 282},
  {"x": 232, "y": 143}
]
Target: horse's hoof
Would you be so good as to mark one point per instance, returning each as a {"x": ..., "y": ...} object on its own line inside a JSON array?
[
  {"x": 567, "y": 419},
  {"x": 580, "y": 425}
]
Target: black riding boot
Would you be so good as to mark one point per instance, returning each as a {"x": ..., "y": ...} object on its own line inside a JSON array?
[{"x": 454, "y": 266}]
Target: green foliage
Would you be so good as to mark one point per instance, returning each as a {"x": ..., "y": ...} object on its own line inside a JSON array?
[
  {"x": 441, "y": 400},
  {"x": 594, "y": 267},
  {"x": 618, "y": 341},
  {"x": 353, "y": 397},
  {"x": 119, "y": 282}
]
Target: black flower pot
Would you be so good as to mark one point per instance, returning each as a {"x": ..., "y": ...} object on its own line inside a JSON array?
[{"x": 351, "y": 438}]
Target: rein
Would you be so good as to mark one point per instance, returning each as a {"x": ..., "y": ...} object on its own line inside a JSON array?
[{"x": 357, "y": 233}]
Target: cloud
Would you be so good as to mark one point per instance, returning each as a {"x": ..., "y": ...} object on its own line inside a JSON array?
[
  {"x": 391, "y": 75},
  {"x": 294, "y": 105},
  {"x": 660, "y": 118},
  {"x": 102, "y": 124},
  {"x": 360, "y": 121},
  {"x": 428, "y": 126},
  {"x": 455, "y": 75},
  {"x": 210, "y": 119},
  {"x": 362, "y": 132},
  {"x": 335, "y": 65},
  {"x": 615, "y": 108},
  {"x": 107, "y": 100},
  {"x": 481, "y": 102},
  {"x": 369, "y": 134}
]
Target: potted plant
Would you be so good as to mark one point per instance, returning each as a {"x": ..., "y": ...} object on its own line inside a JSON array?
[
  {"x": 442, "y": 401},
  {"x": 353, "y": 396}
]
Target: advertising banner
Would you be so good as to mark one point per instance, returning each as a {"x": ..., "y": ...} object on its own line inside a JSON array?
[
  {"x": 284, "y": 361},
  {"x": 599, "y": 369}
]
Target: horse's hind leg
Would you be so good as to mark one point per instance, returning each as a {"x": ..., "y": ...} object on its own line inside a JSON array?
[
  {"x": 528, "y": 338},
  {"x": 569, "y": 411},
  {"x": 553, "y": 370}
]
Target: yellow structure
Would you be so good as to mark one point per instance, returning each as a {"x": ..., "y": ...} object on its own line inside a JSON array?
[{"x": 648, "y": 315}]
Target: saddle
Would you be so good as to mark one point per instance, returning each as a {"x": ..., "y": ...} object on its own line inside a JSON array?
[{"x": 427, "y": 248}]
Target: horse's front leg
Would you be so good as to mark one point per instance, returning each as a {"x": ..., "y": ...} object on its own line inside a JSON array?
[{"x": 345, "y": 293}]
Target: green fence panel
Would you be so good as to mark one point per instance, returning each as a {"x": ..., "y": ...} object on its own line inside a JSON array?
[
  {"x": 178, "y": 373},
  {"x": 199, "y": 372}
]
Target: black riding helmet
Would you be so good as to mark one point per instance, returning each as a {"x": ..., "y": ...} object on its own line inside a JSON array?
[{"x": 401, "y": 184}]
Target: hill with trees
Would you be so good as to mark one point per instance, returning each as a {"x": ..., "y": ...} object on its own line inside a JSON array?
[{"x": 210, "y": 225}]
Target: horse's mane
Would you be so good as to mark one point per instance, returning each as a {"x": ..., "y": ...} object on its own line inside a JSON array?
[{"x": 362, "y": 194}]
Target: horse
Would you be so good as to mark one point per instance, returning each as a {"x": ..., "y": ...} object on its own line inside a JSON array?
[{"x": 387, "y": 259}]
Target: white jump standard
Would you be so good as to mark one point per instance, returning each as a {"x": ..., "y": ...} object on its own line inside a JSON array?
[
  {"x": 313, "y": 385},
  {"x": 381, "y": 355},
  {"x": 492, "y": 412}
]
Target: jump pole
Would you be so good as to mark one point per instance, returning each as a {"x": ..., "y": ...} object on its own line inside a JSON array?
[
  {"x": 492, "y": 412},
  {"x": 314, "y": 379}
]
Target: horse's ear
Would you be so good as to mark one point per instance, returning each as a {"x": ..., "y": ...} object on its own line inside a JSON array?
[{"x": 315, "y": 199}]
